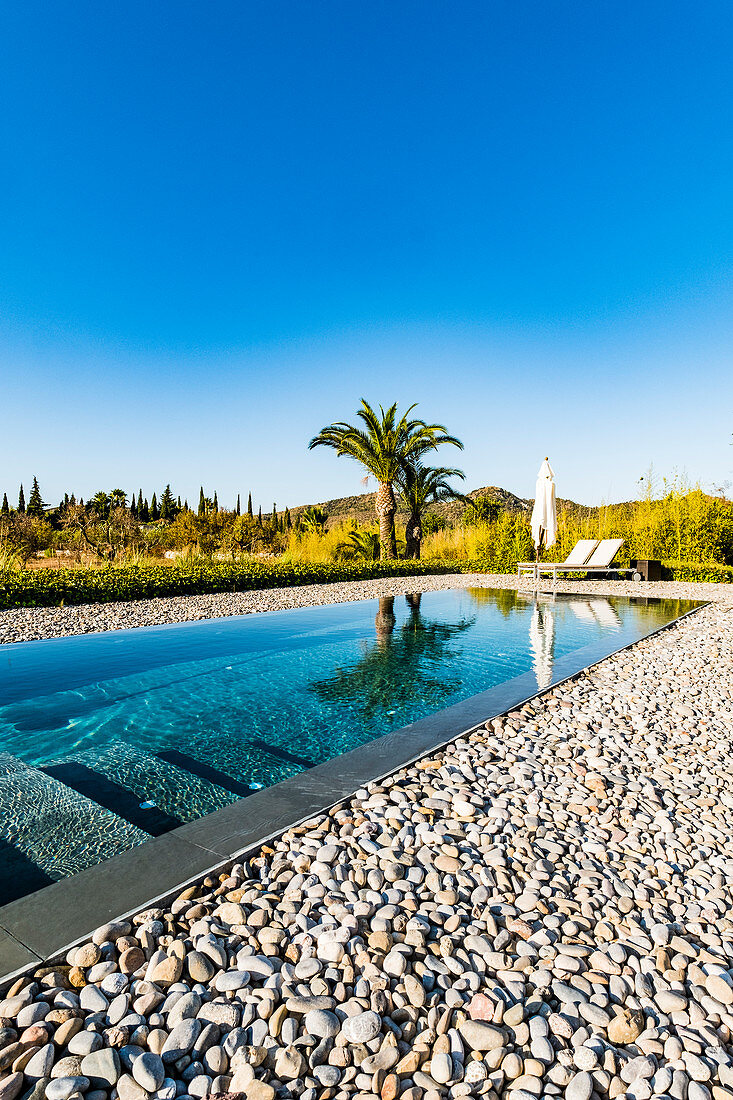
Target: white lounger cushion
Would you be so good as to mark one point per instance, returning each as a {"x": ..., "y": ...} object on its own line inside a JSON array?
[
  {"x": 581, "y": 552},
  {"x": 604, "y": 554}
]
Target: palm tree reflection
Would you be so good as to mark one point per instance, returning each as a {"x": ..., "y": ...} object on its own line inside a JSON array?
[
  {"x": 505, "y": 600},
  {"x": 403, "y": 668}
]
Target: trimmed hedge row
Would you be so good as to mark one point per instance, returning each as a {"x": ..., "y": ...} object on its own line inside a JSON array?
[
  {"x": 696, "y": 571},
  {"x": 56, "y": 587}
]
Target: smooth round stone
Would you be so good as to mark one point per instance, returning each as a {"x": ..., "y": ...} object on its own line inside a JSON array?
[
  {"x": 180, "y": 1040},
  {"x": 166, "y": 1091},
  {"x": 68, "y": 1066},
  {"x": 84, "y": 1042},
  {"x": 586, "y": 1059},
  {"x": 186, "y": 1007},
  {"x": 579, "y": 1087},
  {"x": 481, "y": 1035},
  {"x": 441, "y": 1068},
  {"x": 93, "y": 1000},
  {"x": 543, "y": 1050},
  {"x": 41, "y": 1063},
  {"x": 321, "y": 1024},
  {"x": 327, "y": 1076},
  {"x": 200, "y": 967},
  {"x": 257, "y": 966},
  {"x": 668, "y": 1001},
  {"x": 361, "y": 1028},
  {"x": 231, "y": 980},
  {"x": 200, "y": 1085},
  {"x": 307, "y": 969},
  {"x": 102, "y": 1067},
  {"x": 148, "y": 1071},
  {"x": 719, "y": 988},
  {"x": 61, "y": 1088},
  {"x": 11, "y": 1086},
  {"x": 128, "y": 1089},
  {"x": 114, "y": 984}
]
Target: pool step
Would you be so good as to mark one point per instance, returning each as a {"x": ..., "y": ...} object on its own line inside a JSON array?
[
  {"x": 49, "y": 831},
  {"x": 179, "y": 794},
  {"x": 282, "y": 754},
  {"x": 99, "y": 788},
  {"x": 205, "y": 771}
]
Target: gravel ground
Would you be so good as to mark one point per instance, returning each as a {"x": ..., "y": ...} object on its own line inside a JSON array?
[
  {"x": 29, "y": 623},
  {"x": 541, "y": 909}
]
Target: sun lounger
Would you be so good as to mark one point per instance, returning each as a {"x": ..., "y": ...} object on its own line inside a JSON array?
[
  {"x": 599, "y": 562},
  {"x": 578, "y": 556}
]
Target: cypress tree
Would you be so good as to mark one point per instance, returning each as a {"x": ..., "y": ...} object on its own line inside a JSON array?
[
  {"x": 66, "y": 500},
  {"x": 239, "y": 510},
  {"x": 167, "y": 504},
  {"x": 144, "y": 510},
  {"x": 21, "y": 500},
  {"x": 81, "y": 502},
  {"x": 202, "y": 502},
  {"x": 185, "y": 506},
  {"x": 35, "y": 502},
  {"x": 288, "y": 524},
  {"x": 72, "y": 499},
  {"x": 154, "y": 513},
  {"x": 216, "y": 502},
  {"x": 178, "y": 504},
  {"x": 133, "y": 507},
  {"x": 5, "y": 508},
  {"x": 139, "y": 504},
  {"x": 259, "y": 517},
  {"x": 249, "y": 507},
  {"x": 274, "y": 517}
]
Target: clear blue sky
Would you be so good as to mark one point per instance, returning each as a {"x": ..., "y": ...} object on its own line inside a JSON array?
[{"x": 223, "y": 224}]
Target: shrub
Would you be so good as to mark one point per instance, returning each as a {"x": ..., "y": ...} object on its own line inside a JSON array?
[
  {"x": 48, "y": 588},
  {"x": 697, "y": 571}
]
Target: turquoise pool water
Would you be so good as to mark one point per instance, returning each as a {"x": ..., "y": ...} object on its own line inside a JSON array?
[{"x": 107, "y": 739}]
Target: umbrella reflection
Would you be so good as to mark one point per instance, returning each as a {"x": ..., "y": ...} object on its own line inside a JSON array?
[{"x": 542, "y": 642}]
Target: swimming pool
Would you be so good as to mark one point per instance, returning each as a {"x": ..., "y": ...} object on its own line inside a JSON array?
[{"x": 108, "y": 739}]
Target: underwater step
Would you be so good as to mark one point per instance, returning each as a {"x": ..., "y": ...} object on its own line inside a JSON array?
[
  {"x": 175, "y": 791},
  {"x": 282, "y": 754},
  {"x": 206, "y": 771},
  {"x": 100, "y": 788},
  {"x": 50, "y": 831}
]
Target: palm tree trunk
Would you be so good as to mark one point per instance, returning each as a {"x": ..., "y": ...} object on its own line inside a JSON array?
[
  {"x": 386, "y": 506},
  {"x": 413, "y": 535}
]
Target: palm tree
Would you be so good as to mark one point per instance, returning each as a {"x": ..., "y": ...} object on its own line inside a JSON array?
[
  {"x": 314, "y": 519},
  {"x": 360, "y": 542},
  {"x": 419, "y": 485},
  {"x": 382, "y": 446}
]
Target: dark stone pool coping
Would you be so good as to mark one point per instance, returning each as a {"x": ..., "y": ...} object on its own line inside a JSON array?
[{"x": 44, "y": 925}]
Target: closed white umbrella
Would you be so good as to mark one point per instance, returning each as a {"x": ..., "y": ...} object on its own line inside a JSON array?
[{"x": 544, "y": 513}]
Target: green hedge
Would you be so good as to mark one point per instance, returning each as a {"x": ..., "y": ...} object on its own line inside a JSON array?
[
  {"x": 55, "y": 587},
  {"x": 697, "y": 571}
]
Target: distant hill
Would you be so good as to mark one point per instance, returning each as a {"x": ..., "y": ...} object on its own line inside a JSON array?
[{"x": 361, "y": 508}]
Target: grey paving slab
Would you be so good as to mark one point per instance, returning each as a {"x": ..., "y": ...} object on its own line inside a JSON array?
[
  {"x": 67, "y": 911},
  {"x": 14, "y": 956}
]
